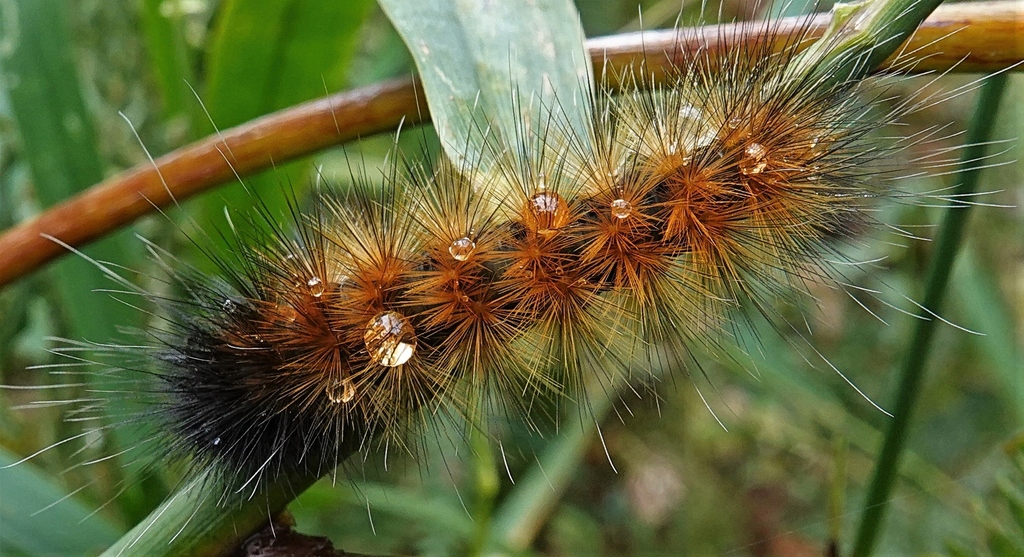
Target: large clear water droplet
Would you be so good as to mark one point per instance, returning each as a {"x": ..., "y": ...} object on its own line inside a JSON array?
[
  {"x": 549, "y": 212},
  {"x": 390, "y": 339},
  {"x": 621, "y": 208},
  {"x": 340, "y": 392},
  {"x": 755, "y": 159},
  {"x": 316, "y": 286},
  {"x": 286, "y": 313},
  {"x": 462, "y": 248}
]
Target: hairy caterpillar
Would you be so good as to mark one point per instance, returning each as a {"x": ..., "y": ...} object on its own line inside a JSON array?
[{"x": 687, "y": 203}]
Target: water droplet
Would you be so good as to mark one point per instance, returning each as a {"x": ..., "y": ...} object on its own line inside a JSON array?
[
  {"x": 216, "y": 441},
  {"x": 464, "y": 298},
  {"x": 691, "y": 120},
  {"x": 755, "y": 159},
  {"x": 229, "y": 306},
  {"x": 734, "y": 123},
  {"x": 340, "y": 392},
  {"x": 462, "y": 248},
  {"x": 549, "y": 212},
  {"x": 390, "y": 339},
  {"x": 286, "y": 313},
  {"x": 621, "y": 208},
  {"x": 316, "y": 286}
]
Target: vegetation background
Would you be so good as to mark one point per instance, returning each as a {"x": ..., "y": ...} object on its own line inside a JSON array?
[{"x": 786, "y": 479}]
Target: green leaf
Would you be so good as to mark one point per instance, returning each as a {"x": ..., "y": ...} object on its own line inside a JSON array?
[
  {"x": 382, "y": 54},
  {"x": 436, "y": 509},
  {"x": 164, "y": 28},
  {"x": 65, "y": 528},
  {"x": 474, "y": 57},
  {"x": 959, "y": 550},
  {"x": 1003, "y": 545},
  {"x": 988, "y": 308},
  {"x": 59, "y": 143},
  {"x": 861, "y": 35},
  {"x": 1016, "y": 505},
  {"x": 427, "y": 518},
  {"x": 527, "y": 508},
  {"x": 266, "y": 55},
  {"x": 947, "y": 244},
  {"x": 192, "y": 523}
]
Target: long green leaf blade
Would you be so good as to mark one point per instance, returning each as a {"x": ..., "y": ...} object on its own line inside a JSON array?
[
  {"x": 265, "y": 55},
  {"x": 25, "y": 491},
  {"x": 59, "y": 144},
  {"x": 947, "y": 244},
  {"x": 482, "y": 58}
]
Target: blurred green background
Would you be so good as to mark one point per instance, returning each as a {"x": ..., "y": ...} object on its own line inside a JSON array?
[{"x": 785, "y": 479}]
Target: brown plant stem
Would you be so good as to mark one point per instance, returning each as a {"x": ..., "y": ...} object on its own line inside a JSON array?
[{"x": 982, "y": 37}]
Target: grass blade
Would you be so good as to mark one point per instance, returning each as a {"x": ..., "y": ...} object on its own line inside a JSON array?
[
  {"x": 947, "y": 243},
  {"x": 59, "y": 143},
  {"x": 474, "y": 56},
  {"x": 265, "y": 55},
  {"x": 170, "y": 57},
  {"x": 26, "y": 491}
]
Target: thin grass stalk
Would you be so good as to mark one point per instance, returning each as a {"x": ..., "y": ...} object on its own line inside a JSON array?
[{"x": 947, "y": 244}]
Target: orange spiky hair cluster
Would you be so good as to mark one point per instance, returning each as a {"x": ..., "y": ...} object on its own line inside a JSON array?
[{"x": 577, "y": 259}]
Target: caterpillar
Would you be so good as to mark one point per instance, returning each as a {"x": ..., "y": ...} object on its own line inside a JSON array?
[
  {"x": 579, "y": 261},
  {"x": 373, "y": 308}
]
